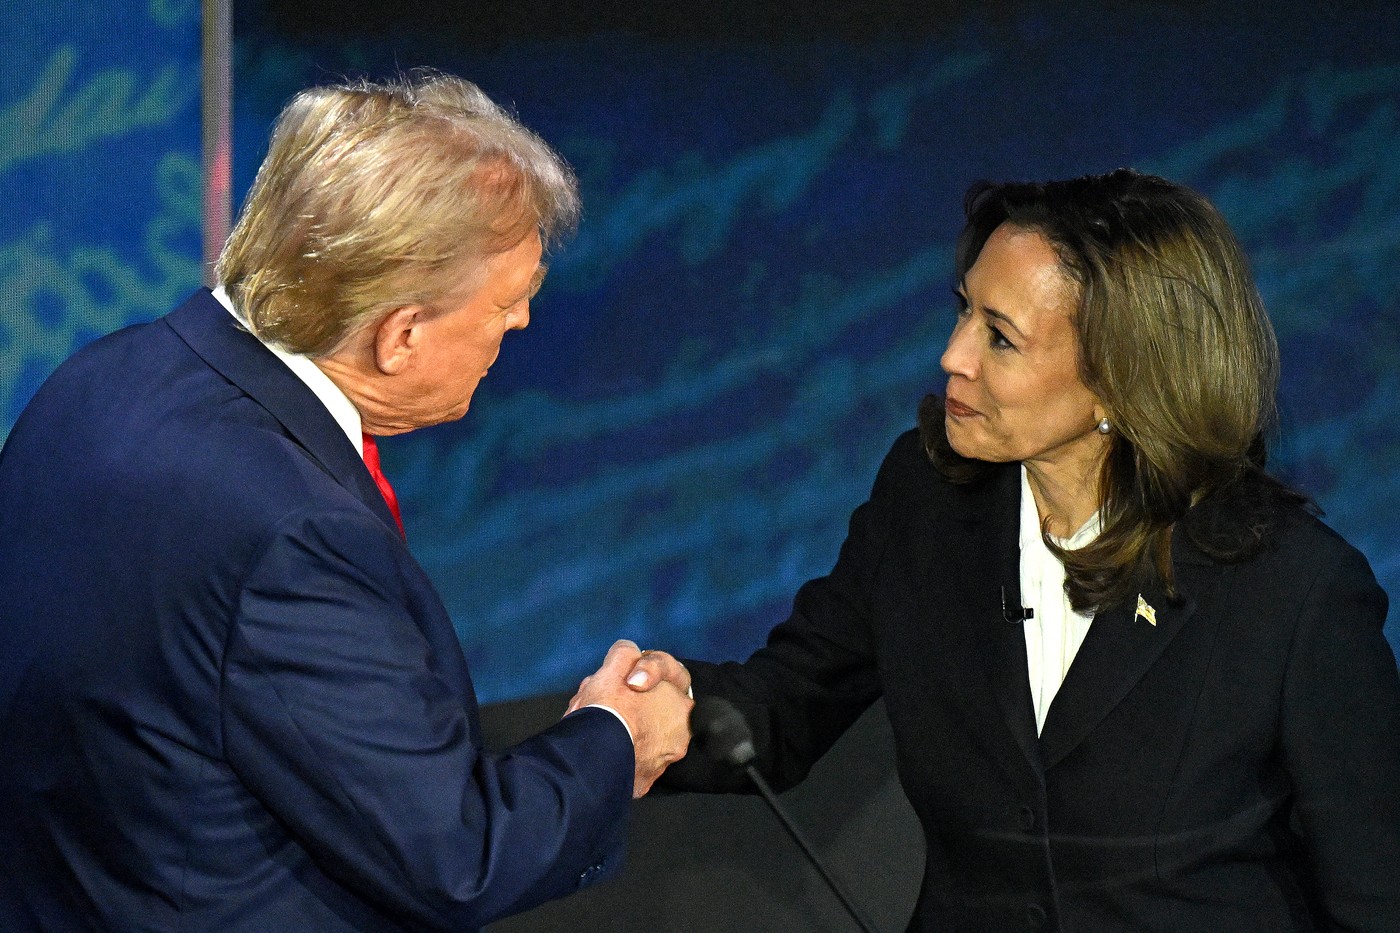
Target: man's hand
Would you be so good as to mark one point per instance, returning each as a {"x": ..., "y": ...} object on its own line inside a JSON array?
[
  {"x": 659, "y": 716},
  {"x": 658, "y": 667}
]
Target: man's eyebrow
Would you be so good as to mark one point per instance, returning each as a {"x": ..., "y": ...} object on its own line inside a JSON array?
[{"x": 537, "y": 279}]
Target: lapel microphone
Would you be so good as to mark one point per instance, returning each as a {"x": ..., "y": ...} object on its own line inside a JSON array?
[
  {"x": 1022, "y": 613},
  {"x": 726, "y": 737}
]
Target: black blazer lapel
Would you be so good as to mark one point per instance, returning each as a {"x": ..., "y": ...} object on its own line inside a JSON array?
[
  {"x": 1122, "y": 644},
  {"x": 988, "y": 558},
  {"x": 213, "y": 334}
]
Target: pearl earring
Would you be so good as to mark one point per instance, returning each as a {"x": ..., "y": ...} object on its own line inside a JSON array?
[{"x": 1104, "y": 426}]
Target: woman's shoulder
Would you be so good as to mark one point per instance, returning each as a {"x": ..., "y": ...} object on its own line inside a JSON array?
[
  {"x": 1261, "y": 520},
  {"x": 910, "y": 472}
]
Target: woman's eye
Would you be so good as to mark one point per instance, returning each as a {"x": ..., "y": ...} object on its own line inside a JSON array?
[
  {"x": 959, "y": 304},
  {"x": 998, "y": 340}
]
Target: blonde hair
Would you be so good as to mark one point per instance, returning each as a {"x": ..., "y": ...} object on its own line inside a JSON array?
[
  {"x": 1174, "y": 340},
  {"x": 378, "y": 195}
]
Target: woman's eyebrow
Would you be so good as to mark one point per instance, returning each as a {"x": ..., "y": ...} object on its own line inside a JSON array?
[{"x": 992, "y": 312}]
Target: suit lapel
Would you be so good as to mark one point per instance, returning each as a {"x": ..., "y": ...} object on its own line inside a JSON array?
[
  {"x": 986, "y": 556},
  {"x": 1122, "y": 644},
  {"x": 213, "y": 334}
]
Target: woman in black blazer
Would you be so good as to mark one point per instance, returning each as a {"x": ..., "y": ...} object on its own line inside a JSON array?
[{"x": 1135, "y": 684}]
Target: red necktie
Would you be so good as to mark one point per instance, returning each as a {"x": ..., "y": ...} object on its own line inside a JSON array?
[{"x": 372, "y": 464}]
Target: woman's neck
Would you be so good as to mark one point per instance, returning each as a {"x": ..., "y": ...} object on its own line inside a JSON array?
[{"x": 1064, "y": 498}]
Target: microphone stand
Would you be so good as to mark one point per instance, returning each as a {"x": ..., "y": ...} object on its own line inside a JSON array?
[
  {"x": 807, "y": 850},
  {"x": 727, "y": 738}
]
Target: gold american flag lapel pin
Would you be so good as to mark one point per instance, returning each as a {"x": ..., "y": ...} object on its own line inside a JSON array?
[{"x": 1145, "y": 611}]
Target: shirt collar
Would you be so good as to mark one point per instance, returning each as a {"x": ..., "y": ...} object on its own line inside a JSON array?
[
  {"x": 1031, "y": 527},
  {"x": 336, "y": 402}
]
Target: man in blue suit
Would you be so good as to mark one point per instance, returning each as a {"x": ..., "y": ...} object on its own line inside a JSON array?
[{"x": 229, "y": 697}]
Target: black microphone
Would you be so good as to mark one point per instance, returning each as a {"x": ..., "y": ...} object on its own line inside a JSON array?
[
  {"x": 726, "y": 737},
  {"x": 1019, "y": 615}
]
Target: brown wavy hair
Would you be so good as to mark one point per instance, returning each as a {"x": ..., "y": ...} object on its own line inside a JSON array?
[
  {"x": 378, "y": 195},
  {"x": 1175, "y": 342}
]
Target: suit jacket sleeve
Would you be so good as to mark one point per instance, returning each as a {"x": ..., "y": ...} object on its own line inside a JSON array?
[
  {"x": 1340, "y": 724},
  {"x": 817, "y": 672},
  {"x": 338, "y": 717}
]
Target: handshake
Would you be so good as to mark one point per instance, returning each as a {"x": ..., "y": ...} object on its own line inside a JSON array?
[{"x": 650, "y": 691}]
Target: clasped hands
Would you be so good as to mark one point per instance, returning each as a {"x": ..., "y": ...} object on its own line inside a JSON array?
[{"x": 648, "y": 689}]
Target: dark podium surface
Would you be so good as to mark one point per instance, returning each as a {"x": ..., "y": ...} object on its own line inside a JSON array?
[{"x": 719, "y": 863}]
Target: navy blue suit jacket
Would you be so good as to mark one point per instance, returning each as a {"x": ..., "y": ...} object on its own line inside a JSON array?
[{"x": 229, "y": 697}]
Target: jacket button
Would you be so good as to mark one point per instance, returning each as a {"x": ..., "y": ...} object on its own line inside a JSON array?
[
  {"x": 1027, "y": 819},
  {"x": 1035, "y": 917}
]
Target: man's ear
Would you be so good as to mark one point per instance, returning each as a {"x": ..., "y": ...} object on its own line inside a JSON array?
[{"x": 397, "y": 337}]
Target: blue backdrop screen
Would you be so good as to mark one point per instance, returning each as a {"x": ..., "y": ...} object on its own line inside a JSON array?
[{"x": 759, "y": 292}]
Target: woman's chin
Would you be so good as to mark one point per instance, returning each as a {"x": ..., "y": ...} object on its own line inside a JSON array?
[
  {"x": 971, "y": 449},
  {"x": 958, "y": 440}
]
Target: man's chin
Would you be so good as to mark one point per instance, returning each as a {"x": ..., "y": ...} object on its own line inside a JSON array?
[{"x": 455, "y": 414}]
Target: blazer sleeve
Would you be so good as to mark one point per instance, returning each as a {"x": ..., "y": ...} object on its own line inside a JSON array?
[
  {"x": 339, "y": 718},
  {"x": 817, "y": 672},
  {"x": 1341, "y": 741}
]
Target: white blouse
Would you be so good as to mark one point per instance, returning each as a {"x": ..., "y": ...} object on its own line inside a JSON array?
[{"x": 1055, "y": 632}]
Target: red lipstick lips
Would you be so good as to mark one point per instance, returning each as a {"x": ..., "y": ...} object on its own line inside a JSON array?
[{"x": 957, "y": 409}]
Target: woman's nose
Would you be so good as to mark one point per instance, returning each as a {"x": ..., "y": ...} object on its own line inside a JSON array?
[{"x": 958, "y": 357}]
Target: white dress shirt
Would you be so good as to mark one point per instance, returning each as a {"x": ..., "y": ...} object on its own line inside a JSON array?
[{"x": 1055, "y": 632}]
